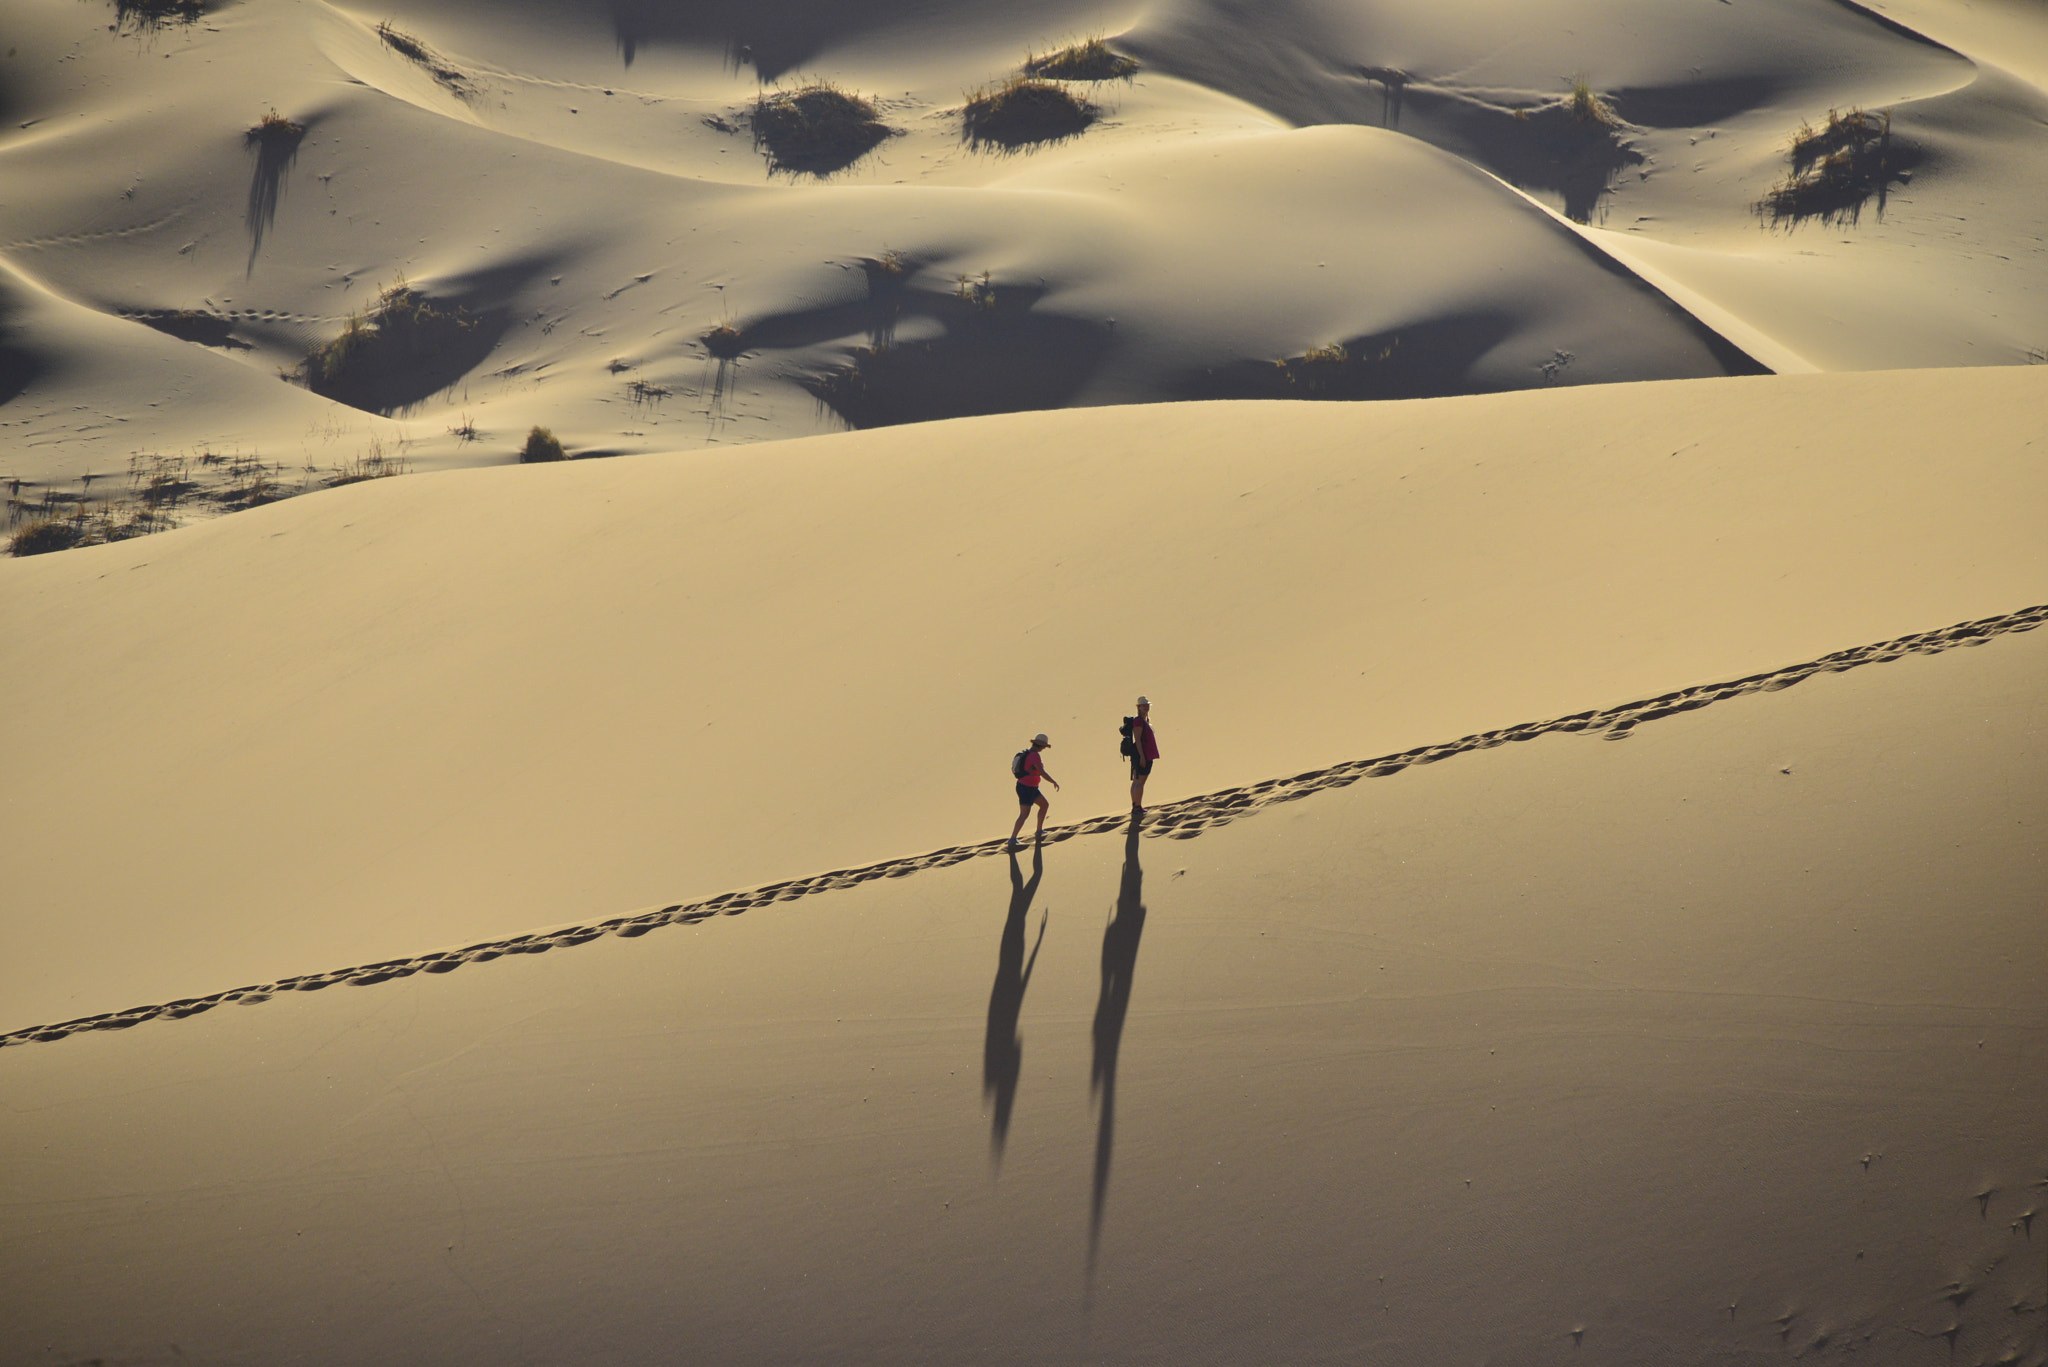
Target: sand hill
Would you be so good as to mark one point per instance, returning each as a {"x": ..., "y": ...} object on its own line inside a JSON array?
[{"x": 1580, "y": 532}]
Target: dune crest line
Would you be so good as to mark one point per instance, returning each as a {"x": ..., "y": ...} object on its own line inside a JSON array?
[{"x": 1182, "y": 820}]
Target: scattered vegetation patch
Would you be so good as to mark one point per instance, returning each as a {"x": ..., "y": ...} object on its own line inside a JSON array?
[
  {"x": 59, "y": 521},
  {"x": 725, "y": 341},
  {"x": 275, "y": 130},
  {"x": 1023, "y": 111},
  {"x": 541, "y": 445},
  {"x": 1838, "y": 168},
  {"x": 1587, "y": 106},
  {"x": 154, "y": 14},
  {"x": 417, "y": 52},
  {"x": 1091, "y": 59},
  {"x": 374, "y": 463},
  {"x": 404, "y": 349},
  {"x": 1421, "y": 360},
  {"x": 995, "y": 355},
  {"x": 816, "y": 129},
  {"x": 190, "y": 325}
]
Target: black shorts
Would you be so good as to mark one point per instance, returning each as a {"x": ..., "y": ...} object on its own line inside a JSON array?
[
  {"x": 1140, "y": 768},
  {"x": 1027, "y": 795}
]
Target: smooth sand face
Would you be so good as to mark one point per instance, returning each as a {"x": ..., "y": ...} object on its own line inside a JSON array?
[{"x": 1724, "y": 1041}]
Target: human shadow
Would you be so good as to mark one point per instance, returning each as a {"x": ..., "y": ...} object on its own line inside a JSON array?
[
  {"x": 1002, "y": 1058},
  {"x": 1119, "y": 964}
]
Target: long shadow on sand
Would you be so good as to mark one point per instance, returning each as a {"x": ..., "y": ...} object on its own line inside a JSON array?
[
  {"x": 1119, "y": 966},
  {"x": 1002, "y": 1057},
  {"x": 276, "y": 144}
]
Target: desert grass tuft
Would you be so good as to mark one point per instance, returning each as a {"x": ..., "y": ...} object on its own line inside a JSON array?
[
  {"x": 381, "y": 358},
  {"x": 1587, "y": 106},
  {"x": 542, "y": 445},
  {"x": 1091, "y": 59},
  {"x": 374, "y": 463},
  {"x": 816, "y": 129},
  {"x": 1839, "y": 167},
  {"x": 154, "y": 14},
  {"x": 417, "y": 52},
  {"x": 1022, "y": 111},
  {"x": 725, "y": 341},
  {"x": 275, "y": 130},
  {"x": 1337, "y": 371}
]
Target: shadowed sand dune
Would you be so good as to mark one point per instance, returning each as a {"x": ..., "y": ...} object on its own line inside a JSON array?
[
  {"x": 1723, "y": 1043},
  {"x": 1273, "y": 181}
]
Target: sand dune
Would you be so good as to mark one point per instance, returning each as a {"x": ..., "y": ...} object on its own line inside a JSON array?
[
  {"x": 1502, "y": 1057},
  {"x": 412, "y": 713},
  {"x": 1569, "y": 475},
  {"x": 426, "y": 139}
]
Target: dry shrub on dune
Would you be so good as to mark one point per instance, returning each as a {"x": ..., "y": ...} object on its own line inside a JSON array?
[
  {"x": 1838, "y": 167},
  {"x": 816, "y": 129},
  {"x": 1022, "y": 111},
  {"x": 1091, "y": 59},
  {"x": 542, "y": 445},
  {"x": 152, "y": 14},
  {"x": 405, "y": 348}
]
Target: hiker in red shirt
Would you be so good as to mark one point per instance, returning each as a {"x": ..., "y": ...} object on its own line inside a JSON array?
[
  {"x": 1028, "y": 769},
  {"x": 1144, "y": 749}
]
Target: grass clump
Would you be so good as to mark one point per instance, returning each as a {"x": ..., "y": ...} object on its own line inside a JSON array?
[
  {"x": 816, "y": 129},
  {"x": 405, "y": 348},
  {"x": 725, "y": 341},
  {"x": 542, "y": 445},
  {"x": 154, "y": 14},
  {"x": 1091, "y": 59},
  {"x": 1588, "y": 107},
  {"x": 275, "y": 130},
  {"x": 1022, "y": 111},
  {"x": 1838, "y": 167},
  {"x": 1338, "y": 371},
  {"x": 417, "y": 52},
  {"x": 375, "y": 463},
  {"x": 48, "y": 532}
]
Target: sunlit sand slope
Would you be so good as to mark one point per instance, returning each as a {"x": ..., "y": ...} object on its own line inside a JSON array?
[
  {"x": 415, "y": 713},
  {"x": 1274, "y": 181},
  {"x": 1723, "y": 1043}
]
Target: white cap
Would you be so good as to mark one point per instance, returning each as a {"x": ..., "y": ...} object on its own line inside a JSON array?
[
  {"x": 1144, "y": 701},
  {"x": 1040, "y": 739}
]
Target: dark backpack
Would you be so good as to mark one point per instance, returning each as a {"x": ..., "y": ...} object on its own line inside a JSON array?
[
  {"x": 1017, "y": 762},
  {"x": 1130, "y": 744}
]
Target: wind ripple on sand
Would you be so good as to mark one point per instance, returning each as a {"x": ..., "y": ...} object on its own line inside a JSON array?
[{"x": 1181, "y": 820}]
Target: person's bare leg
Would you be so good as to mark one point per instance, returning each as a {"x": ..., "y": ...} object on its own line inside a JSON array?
[
  {"x": 1022, "y": 812},
  {"x": 1043, "y": 808},
  {"x": 1138, "y": 794}
]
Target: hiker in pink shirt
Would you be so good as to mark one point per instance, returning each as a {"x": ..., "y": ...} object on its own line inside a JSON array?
[
  {"x": 1028, "y": 768},
  {"x": 1143, "y": 749}
]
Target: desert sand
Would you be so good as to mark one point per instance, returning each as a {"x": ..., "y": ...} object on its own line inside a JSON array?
[{"x": 466, "y": 910}]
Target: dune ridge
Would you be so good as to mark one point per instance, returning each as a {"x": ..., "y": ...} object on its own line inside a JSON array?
[{"x": 1179, "y": 820}]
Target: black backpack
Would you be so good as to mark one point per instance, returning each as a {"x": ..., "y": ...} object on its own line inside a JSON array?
[
  {"x": 1017, "y": 762},
  {"x": 1130, "y": 744}
]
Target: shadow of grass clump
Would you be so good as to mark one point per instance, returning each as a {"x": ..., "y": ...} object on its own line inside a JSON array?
[
  {"x": 1022, "y": 112},
  {"x": 154, "y": 14},
  {"x": 994, "y": 354},
  {"x": 816, "y": 129},
  {"x": 405, "y": 349},
  {"x": 275, "y": 139},
  {"x": 1423, "y": 360},
  {"x": 190, "y": 325},
  {"x": 1092, "y": 59},
  {"x": 1838, "y": 168},
  {"x": 417, "y": 52}
]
